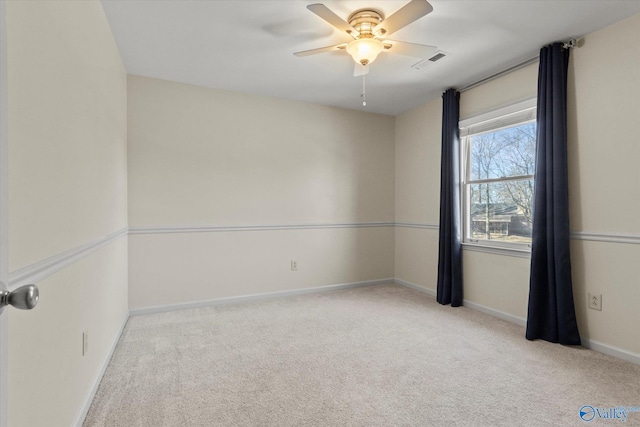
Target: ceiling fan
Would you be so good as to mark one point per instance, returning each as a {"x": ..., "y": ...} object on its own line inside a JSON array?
[{"x": 367, "y": 30}]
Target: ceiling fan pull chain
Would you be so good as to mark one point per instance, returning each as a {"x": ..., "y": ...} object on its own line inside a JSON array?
[{"x": 364, "y": 92}]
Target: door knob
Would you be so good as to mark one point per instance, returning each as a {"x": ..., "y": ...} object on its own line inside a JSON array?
[{"x": 25, "y": 297}]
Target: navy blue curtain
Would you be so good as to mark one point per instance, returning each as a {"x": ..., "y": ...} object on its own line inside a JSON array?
[
  {"x": 551, "y": 315},
  {"x": 450, "y": 250}
]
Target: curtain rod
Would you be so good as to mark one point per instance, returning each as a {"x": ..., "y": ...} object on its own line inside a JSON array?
[
  {"x": 570, "y": 44},
  {"x": 501, "y": 73}
]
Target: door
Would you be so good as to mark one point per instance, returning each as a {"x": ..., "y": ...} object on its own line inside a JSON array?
[
  {"x": 4, "y": 350},
  {"x": 24, "y": 297}
]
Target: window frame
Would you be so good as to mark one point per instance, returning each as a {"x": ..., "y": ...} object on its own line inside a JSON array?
[{"x": 511, "y": 115}]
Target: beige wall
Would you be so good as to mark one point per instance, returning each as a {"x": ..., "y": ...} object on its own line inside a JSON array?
[
  {"x": 604, "y": 100},
  {"x": 604, "y": 178},
  {"x": 67, "y": 187},
  {"x": 175, "y": 268},
  {"x": 67, "y": 133},
  {"x": 517, "y": 86},
  {"x": 206, "y": 157},
  {"x": 417, "y": 187},
  {"x": 417, "y": 164},
  {"x": 50, "y": 381}
]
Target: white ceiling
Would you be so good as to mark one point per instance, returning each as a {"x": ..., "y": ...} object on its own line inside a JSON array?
[{"x": 247, "y": 46}]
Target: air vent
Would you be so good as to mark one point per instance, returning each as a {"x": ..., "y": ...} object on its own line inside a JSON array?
[{"x": 438, "y": 56}]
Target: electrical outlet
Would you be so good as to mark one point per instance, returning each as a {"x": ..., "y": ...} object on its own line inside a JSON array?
[
  {"x": 595, "y": 301},
  {"x": 85, "y": 342},
  {"x": 294, "y": 265}
]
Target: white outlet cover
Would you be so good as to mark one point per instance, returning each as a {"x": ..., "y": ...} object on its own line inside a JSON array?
[{"x": 595, "y": 301}]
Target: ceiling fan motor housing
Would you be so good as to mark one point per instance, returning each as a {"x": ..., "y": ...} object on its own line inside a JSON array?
[{"x": 364, "y": 21}]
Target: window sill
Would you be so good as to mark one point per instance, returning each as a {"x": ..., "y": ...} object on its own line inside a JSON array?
[{"x": 476, "y": 247}]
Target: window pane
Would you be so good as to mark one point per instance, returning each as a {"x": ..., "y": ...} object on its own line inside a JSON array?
[
  {"x": 501, "y": 211},
  {"x": 506, "y": 152}
]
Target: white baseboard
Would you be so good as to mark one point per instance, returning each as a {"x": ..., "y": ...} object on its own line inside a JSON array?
[
  {"x": 587, "y": 343},
  {"x": 430, "y": 292},
  {"x": 254, "y": 297},
  {"x": 611, "y": 350},
  {"x": 98, "y": 379},
  {"x": 495, "y": 313},
  {"x": 466, "y": 303}
]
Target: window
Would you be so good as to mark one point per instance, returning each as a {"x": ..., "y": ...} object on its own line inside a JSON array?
[{"x": 498, "y": 166}]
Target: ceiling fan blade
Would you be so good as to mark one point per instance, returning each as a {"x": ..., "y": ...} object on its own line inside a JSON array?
[
  {"x": 327, "y": 14},
  {"x": 360, "y": 70},
  {"x": 404, "y": 16},
  {"x": 321, "y": 50},
  {"x": 409, "y": 49}
]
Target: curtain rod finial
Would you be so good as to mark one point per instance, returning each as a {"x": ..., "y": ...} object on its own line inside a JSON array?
[{"x": 570, "y": 44}]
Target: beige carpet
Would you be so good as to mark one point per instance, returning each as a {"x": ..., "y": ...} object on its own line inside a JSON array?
[{"x": 374, "y": 356}]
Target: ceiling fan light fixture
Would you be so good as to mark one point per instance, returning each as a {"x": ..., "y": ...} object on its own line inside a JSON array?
[{"x": 365, "y": 50}]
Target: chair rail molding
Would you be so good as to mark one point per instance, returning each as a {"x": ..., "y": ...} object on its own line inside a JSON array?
[
  {"x": 228, "y": 228},
  {"x": 606, "y": 237},
  {"x": 46, "y": 267},
  {"x": 41, "y": 269}
]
